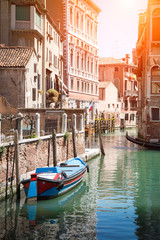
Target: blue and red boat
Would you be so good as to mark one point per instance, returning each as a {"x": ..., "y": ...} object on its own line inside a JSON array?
[{"x": 51, "y": 182}]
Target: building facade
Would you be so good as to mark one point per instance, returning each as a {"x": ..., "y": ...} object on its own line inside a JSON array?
[
  {"x": 79, "y": 22},
  {"x": 28, "y": 24},
  {"x": 18, "y": 77},
  {"x": 148, "y": 50},
  {"x": 109, "y": 103},
  {"x": 121, "y": 74}
]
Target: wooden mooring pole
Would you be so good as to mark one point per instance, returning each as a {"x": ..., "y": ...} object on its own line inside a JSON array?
[
  {"x": 100, "y": 139},
  {"x": 54, "y": 148},
  {"x": 74, "y": 140},
  {"x": 17, "y": 163}
]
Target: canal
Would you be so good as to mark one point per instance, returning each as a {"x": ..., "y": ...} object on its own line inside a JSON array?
[{"x": 118, "y": 199}]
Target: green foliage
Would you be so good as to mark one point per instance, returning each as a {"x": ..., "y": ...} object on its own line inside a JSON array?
[
  {"x": 66, "y": 137},
  {"x": 33, "y": 135},
  {"x": 2, "y": 151}
]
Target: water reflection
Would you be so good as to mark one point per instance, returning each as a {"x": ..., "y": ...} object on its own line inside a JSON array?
[{"x": 118, "y": 199}]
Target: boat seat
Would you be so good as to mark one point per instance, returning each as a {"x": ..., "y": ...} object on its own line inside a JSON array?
[{"x": 66, "y": 165}]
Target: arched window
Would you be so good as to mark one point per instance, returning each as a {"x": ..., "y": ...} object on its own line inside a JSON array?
[
  {"x": 71, "y": 16},
  {"x": 71, "y": 57},
  {"x": 155, "y": 80},
  {"x": 91, "y": 65},
  {"x": 156, "y": 25},
  {"x": 77, "y": 60},
  {"x": 88, "y": 27},
  {"x": 88, "y": 67},
  {"x": 77, "y": 20},
  {"x": 82, "y": 62},
  {"x": 82, "y": 21}
]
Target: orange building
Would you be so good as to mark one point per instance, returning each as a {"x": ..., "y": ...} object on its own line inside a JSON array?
[{"x": 148, "y": 49}]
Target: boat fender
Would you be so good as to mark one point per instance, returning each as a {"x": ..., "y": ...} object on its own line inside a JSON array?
[
  {"x": 60, "y": 186},
  {"x": 87, "y": 168},
  {"x": 64, "y": 174}
]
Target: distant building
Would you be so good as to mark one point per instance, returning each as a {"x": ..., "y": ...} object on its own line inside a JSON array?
[
  {"x": 148, "y": 49},
  {"x": 109, "y": 103},
  {"x": 79, "y": 22},
  {"x": 121, "y": 74}
]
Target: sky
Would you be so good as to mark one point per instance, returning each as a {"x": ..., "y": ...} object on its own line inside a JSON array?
[{"x": 118, "y": 26}]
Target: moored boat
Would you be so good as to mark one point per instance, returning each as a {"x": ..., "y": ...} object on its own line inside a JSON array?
[
  {"x": 146, "y": 144},
  {"x": 51, "y": 182}
]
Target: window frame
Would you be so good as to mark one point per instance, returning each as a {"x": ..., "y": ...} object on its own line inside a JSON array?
[
  {"x": 155, "y": 81},
  {"x": 154, "y": 120},
  {"x": 22, "y": 16}
]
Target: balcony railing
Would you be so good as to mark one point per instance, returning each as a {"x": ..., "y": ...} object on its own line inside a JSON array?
[{"x": 131, "y": 93}]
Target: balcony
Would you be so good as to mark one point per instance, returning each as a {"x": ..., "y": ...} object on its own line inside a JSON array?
[{"x": 131, "y": 93}]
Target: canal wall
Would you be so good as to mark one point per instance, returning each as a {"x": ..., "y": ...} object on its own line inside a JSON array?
[{"x": 33, "y": 153}]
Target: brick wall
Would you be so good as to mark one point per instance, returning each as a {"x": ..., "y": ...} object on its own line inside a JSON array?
[{"x": 34, "y": 153}]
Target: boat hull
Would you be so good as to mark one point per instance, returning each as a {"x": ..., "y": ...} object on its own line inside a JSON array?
[
  {"x": 149, "y": 145},
  {"x": 52, "y": 182},
  {"x": 52, "y": 189}
]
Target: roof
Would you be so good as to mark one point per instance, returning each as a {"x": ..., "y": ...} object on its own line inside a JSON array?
[
  {"x": 104, "y": 84},
  {"x": 15, "y": 56},
  {"x": 92, "y": 3},
  {"x": 110, "y": 60}
]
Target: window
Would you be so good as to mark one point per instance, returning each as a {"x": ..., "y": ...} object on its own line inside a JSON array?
[
  {"x": 156, "y": 25},
  {"x": 78, "y": 86},
  {"x": 35, "y": 68},
  {"x": 88, "y": 89},
  {"x": 155, "y": 80},
  {"x": 126, "y": 103},
  {"x": 126, "y": 116},
  {"x": 116, "y": 69},
  {"x": 82, "y": 86},
  {"x": 92, "y": 88},
  {"x": 155, "y": 114},
  {"x": 33, "y": 94},
  {"x": 108, "y": 105},
  {"x": 38, "y": 19},
  {"x": 82, "y": 22},
  {"x": 39, "y": 82},
  {"x": 85, "y": 87},
  {"x": 77, "y": 60},
  {"x": 96, "y": 89},
  {"x": 71, "y": 58},
  {"x": 126, "y": 69},
  {"x": 71, "y": 84},
  {"x": 125, "y": 84},
  {"x": 132, "y": 117},
  {"x": 101, "y": 94},
  {"x": 71, "y": 16},
  {"x": 77, "y": 20},
  {"x": 22, "y": 13}
]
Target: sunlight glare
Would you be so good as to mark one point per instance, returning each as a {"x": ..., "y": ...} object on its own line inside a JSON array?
[{"x": 128, "y": 3}]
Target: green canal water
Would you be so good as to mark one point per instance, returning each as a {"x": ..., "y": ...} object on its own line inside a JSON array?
[{"x": 118, "y": 199}]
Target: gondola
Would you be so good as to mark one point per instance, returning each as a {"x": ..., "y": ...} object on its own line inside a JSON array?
[{"x": 146, "y": 144}]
